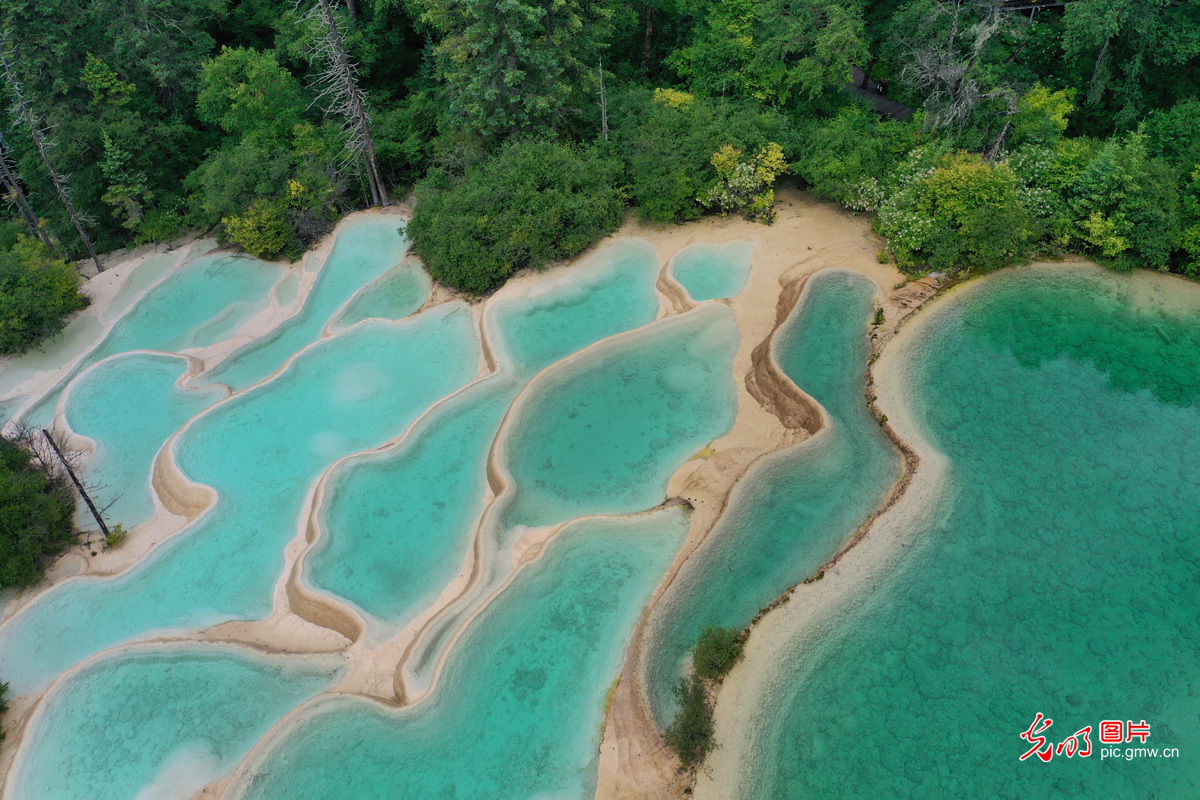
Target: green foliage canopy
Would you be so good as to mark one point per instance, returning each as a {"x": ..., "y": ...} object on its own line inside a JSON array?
[
  {"x": 536, "y": 201},
  {"x": 36, "y": 507},
  {"x": 37, "y": 292}
]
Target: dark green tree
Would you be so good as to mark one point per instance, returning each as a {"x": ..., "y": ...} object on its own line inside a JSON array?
[{"x": 516, "y": 66}]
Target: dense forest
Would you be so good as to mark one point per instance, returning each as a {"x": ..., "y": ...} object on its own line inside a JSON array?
[{"x": 527, "y": 127}]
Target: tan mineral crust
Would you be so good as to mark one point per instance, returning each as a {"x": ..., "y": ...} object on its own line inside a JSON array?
[{"x": 808, "y": 236}]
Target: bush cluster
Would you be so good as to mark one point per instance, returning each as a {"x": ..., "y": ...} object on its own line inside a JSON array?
[
  {"x": 534, "y": 202},
  {"x": 690, "y": 734},
  {"x": 37, "y": 292},
  {"x": 36, "y": 509},
  {"x": 1130, "y": 201}
]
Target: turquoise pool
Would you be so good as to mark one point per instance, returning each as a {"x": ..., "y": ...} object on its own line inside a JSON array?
[
  {"x": 711, "y": 271},
  {"x": 1059, "y": 577},
  {"x": 261, "y": 450},
  {"x": 517, "y": 712},
  {"x": 154, "y": 722},
  {"x": 798, "y": 506}
]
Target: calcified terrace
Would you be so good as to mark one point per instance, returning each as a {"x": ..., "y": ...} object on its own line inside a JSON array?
[{"x": 399, "y": 663}]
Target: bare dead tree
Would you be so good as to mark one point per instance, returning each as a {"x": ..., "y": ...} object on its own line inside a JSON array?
[
  {"x": 23, "y": 111},
  {"x": 62, "y": 465},
  {"x": 648, "y": 39},
  {"x": 945, "y": 69},
  {"x": 603, "y": 105},
  {"x": 15, "y": 195},
  {"x": 337, "y": 85},
  {"x": 75, "y": 480}
]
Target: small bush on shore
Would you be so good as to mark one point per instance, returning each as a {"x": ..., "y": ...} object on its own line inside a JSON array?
[
  {"x": 533, "y": 202},
  {"x": 691, "y": 734},
  {"x": 716, "y": 652}
]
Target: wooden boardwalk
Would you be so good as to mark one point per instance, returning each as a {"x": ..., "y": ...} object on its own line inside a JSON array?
[{"x": 879, "y": 102}]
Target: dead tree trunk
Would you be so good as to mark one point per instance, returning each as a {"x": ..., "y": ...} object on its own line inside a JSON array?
[
  {"x": 16, "y": 195},
  {"x": 866, "y": 81},
  {"x": 82, "y": 492},
  {"x": 25, "y": 113},
  {"x": 338, "y": 83},
  {"x": 649, "y": 38},
  {"x": 603, "y": 105}
]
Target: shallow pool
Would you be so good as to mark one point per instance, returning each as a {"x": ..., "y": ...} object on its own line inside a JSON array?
[
  {"x": 261, "y": 450},
  {"x": 206, "y": 298},
  {"x": 129, "y": 406},
  {"x": 518, "y": 710},
  {"x": 160, "y": 723},
  {"x": 364, "y": 249},
  {"x": 397, "y": 523},
  {"x": 798, "y": 506},
  {"x": 711, "y": 271}
]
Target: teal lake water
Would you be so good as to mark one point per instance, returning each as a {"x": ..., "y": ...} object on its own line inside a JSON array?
[
  {"x": 204, "y": 301},
  {"x": 517, "y": 712},
  {"x": 799, "y": 506},
  {"x": 365, "y": 248},
  {"x": 394, "y": 295},
  {"x": 397, "y": 524},
  {"x": 261, "y": 451},
  {"x": 611, "y": 293},
  {"x": 1060, "y": 575},
  {"x": 710, "y": 271},
  {"x": 604, "y": 437},
  {"x": 129, "y": 406},
  {"x": 161, "y": 723}
]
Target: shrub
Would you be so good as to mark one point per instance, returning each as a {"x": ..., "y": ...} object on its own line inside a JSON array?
[
  {"x": 716, "y": 652},
  {"x": 37, "y": 292},
  {"x": 533, "y": 202},
  {"x": 847, "y": 158},
  {"x": 1127, "y": 206},
  {"x": 262, "y": 230},
  {"x": 690, "y": 735},
  {"x": 747, "y": 185},
  {"x": 955, "y": 211},
  {"x": 668, "y": 139},
  {"x": 1042, "y": 115},
  {"x": 116, "y": 537},
  {"x": 36, "y": 509}
]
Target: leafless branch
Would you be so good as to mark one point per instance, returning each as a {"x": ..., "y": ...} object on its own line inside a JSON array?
[
  {"x": 39, "y": 133},
  {"x": 337, "y": 89}
]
